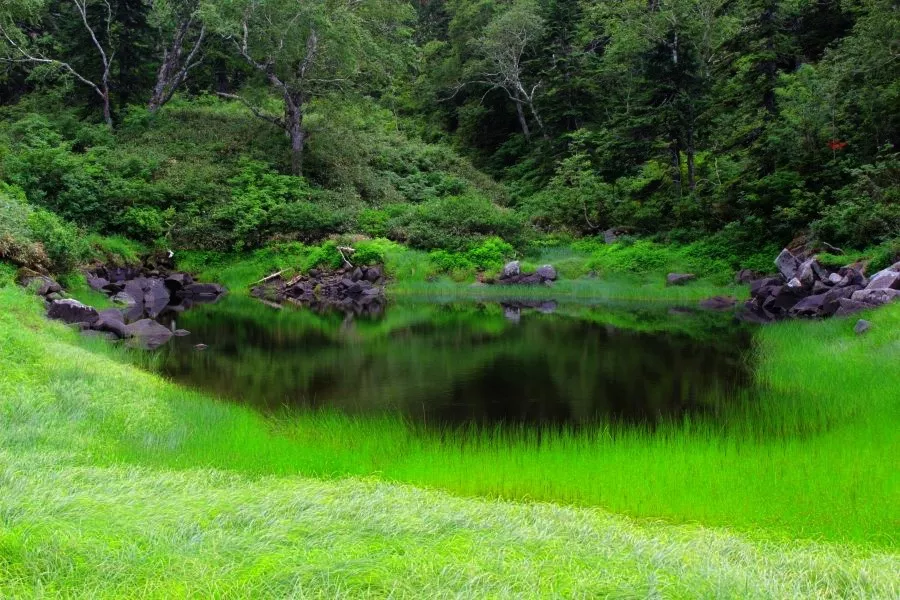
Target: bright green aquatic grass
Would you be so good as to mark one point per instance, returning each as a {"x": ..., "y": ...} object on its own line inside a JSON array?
[
  {"x": 805, "y": 458},
  {"x": 74, "y": 521}
]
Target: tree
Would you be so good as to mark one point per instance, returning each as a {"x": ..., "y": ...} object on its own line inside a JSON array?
[
  {"x": 502, "y": 47},
  {"x": 305, "y": 50},
  {"x": 179, "y": 20},
  {"x": 24, "y": 43}
]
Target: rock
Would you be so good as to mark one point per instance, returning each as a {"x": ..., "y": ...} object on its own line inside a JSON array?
[
  {"x": 795, "y": 283},
  {"x": 54, "y": 296},
  {"x": 679, "y": 278},
  {"x": 787, "y": 264},
  {"x": 530, "y": 279},
  {"x": 885, "y": 280},
  {"x": 512, "y": 269},
  {"x": 546, "y": 272},
  {"x": 834, "y": 278},
  {"x": 810, "y": 271},
  {"x": 124, "y": 298},
  {"x": 758, "y": 286},
  {"x": 97, "y": 283},
  {"x": 852, "y": 276},
  {"x": 718, "y": 303},
  {"x": 184, "y": 332},
  {"x": 149, "y": 333},
  {"x": 156, "y": 297},
  {"x": 612, "y": 235},
  {"x": 357, "y": 274},
  {"x": 861, "y": 327},
  {"x": 176, "y": 282},
  {"x": 135, "y": 289},
  {"x": 202, "y": 290},
  {"x": 811, "y": 306},
  {"x": 200, "y": 347},
  {"x": 373, "y": 274},
  {"x": 72, "y": 311},
  {"x": 746, "y": 276},
  {"x": 782, "y": 299},
  {"x": 111, "y": 320},
  {"x": 894, "y": 268},
  {"x": 40, "y": 284},
  {"x": 875, "y": 297},
  {"x": 820, "y": 288},
  {"x": 849, "y": 307}
]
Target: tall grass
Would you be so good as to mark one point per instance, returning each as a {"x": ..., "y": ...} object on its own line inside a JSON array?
[{"x": 106, "y": 491}]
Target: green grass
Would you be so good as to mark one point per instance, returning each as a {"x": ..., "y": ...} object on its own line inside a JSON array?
[{"x": 116, "y": 483}]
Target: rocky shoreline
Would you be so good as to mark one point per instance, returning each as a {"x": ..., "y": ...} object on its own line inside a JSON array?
[
  {"x": 151, "y": 297},
  {"x": 353, "y": 290},
  {"x": 804, "y": 288}
]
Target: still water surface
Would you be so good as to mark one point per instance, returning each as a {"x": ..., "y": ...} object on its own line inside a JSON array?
[{"x": 465, "y": 362}]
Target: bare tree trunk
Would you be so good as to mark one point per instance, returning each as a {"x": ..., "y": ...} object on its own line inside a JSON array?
[
  {"x": 173, "y": 71},
  {"x": 293, "y": 116},
  {"x": 107, "y": 109},
  {"x": 522, "y": 120}
]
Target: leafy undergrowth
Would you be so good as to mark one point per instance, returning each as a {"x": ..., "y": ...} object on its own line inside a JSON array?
[{"x": 81, "y": 515}]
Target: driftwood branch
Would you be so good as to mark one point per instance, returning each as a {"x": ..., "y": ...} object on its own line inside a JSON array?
[
  {"x": 268, "y": 277},
  {"x": 347, "y": 249}
]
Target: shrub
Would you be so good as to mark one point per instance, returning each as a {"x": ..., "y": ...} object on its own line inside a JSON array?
[
  {"x": 64, "y": 244},
  {"x": 456, "y": 223}
]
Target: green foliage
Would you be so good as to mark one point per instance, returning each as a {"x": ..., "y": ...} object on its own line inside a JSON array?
[
  {"x": 37, "y": 238},
  {"x": 455, "y": 223}
]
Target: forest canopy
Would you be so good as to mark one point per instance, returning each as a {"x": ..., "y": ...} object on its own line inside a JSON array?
[{"x": 227, "y": 124}]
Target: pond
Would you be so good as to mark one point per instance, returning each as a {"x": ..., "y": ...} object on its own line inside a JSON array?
[{"x": 457, "y": 363}]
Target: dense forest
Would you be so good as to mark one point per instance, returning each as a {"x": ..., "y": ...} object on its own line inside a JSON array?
[{"x": 232, "y": 124}]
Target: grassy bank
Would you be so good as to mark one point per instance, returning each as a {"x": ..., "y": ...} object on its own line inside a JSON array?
[{"x": 115, "y": 483}]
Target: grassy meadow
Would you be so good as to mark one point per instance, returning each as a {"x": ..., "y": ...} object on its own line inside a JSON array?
[{"x": 115, "y": 482}]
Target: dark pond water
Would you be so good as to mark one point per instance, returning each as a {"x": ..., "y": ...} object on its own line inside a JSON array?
[{"x": 451, "y": 363}]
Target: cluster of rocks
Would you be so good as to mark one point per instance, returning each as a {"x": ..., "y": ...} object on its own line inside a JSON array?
[
  {"x": 149, "y": 292},
  {"x": 806, "y": 288},
  {"x": 151, "y": 297},
  {"x": 513, "y": 275},
  {"x": 356, "y": 290}
]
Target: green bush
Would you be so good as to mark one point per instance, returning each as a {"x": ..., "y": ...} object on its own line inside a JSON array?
[
  {"x": 37, "y": 238},
  {"x": 456, "y": 223},
  {"x": 65, "y": 245}
]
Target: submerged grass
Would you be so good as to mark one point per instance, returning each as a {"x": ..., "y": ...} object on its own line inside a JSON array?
[{"x": 116, "y": 483}]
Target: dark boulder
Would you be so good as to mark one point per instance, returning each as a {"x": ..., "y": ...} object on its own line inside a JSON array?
[
  {"x": 511, "y": 269},
  {"x": 811, "y": 306},
  {"x": 177, "y": 281},
  {"x": 96, "y": 283},
  {"x": 861, "y": 327},
  {"x": 885, "y": 280},
  {"x": 875, "y": 297},
  {"x": 679, "y": 278},
  {"x": 746, "y": 276},
  {"x": 547, "y": 272},
  {"x": 149, "y": 333},
  {"x": 72, "y": 311},
  {"x": 765, "y": 285},
  {"x": 373, "y": 274},
  {"x": 113, "y": 321},
  {"x": 356, "y": 274},
  {"x": 849, "y": 307},
  {"x": 787, "y": 264},
  {"x": 156, "y": 297},
  {"x": 39, "y": 284}
]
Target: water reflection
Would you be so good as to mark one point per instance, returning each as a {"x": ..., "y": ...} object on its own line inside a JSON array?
[{"x": 467, "y": 363}]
